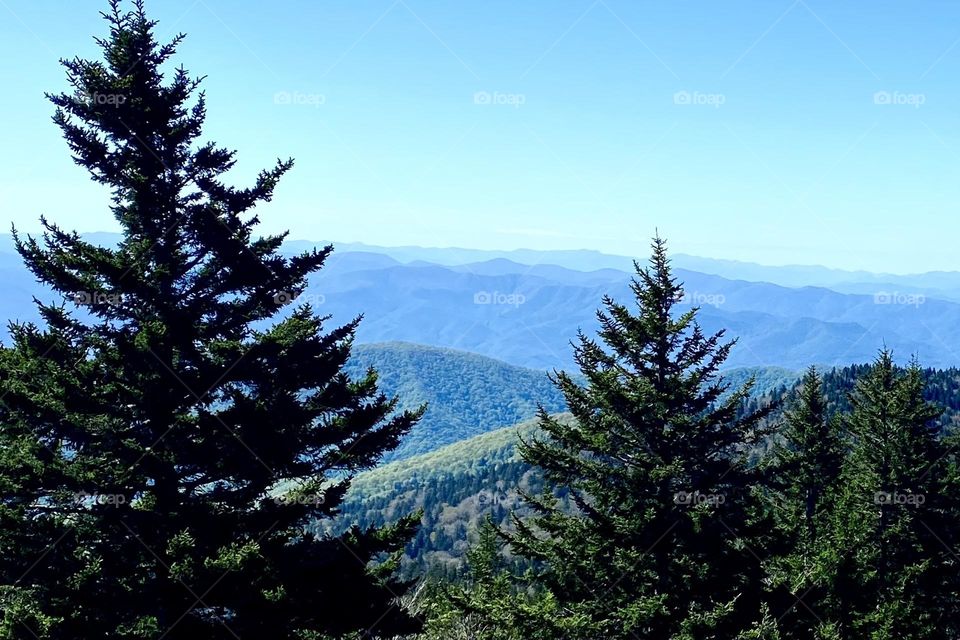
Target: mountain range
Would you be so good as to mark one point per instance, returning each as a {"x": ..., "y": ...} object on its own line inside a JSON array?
[
  {"x": 524, "y": 307},
  {"x": 527, "y": 314}
]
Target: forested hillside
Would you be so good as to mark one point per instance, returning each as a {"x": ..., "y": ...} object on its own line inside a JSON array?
[
  {"x": 466, "y": 394},
  {"x": 455, "y": 486},
  {"x": 458, "y": 485}
]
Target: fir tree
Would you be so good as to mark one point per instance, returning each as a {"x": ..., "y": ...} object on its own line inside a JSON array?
[
  {"x": 803, "y": 470},
  {"x": 896, "y": 524},
  {"x": 655, "y": 464},
  {"x": 165, "y": 445}
]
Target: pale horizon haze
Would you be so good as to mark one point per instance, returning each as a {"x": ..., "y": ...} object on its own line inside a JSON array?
[{"x": 794, "y": 132}]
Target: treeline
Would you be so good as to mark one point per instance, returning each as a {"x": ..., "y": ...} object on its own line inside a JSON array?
[
  {"x": 462, "y": 484},
  {"x": 845, "y": 526}
]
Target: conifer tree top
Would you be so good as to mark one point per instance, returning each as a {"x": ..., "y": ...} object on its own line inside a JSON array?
[{"x": 183, "y": 418}]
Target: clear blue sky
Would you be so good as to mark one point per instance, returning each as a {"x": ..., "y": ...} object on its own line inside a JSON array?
[{"x": 745, "y": 130}]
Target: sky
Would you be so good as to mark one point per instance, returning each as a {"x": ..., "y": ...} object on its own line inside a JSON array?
[{"x": 772, "y": 131}]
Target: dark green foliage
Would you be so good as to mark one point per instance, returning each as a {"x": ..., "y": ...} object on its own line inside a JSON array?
[
  {"x": 802, "y": 472},
  {"x": 490, "y": 602},
  {"x": 896, "y": 525},
  {"x": 655, "y": 463},
  {"x": 864, "y": 522},
  {"x": 145, "y": 435}
]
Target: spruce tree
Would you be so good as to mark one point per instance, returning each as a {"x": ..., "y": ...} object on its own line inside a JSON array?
[
  {"x": 803, "y": 469},
  {"x": 170, "y": 429},
  {"x": 896, "y": 527},
  {"x": 655, "y": 464}
]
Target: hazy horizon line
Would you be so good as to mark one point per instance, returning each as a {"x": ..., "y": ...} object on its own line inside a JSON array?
[{"x": 588, "y": 250}]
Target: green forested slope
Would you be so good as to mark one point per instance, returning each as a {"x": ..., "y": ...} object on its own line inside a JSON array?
[
  {"x": 467, "y": 394},
  {"x": 458, "y": 484},
  {"x": 455, "y": 486}
]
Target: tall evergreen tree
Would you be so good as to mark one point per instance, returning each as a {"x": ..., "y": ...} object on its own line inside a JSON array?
[
  {"x": 896, "y": 527},
  {"x": 803, "y": 470},
  {"x": 655, "y": 462},
  {"x": 165, "y": 445}
]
